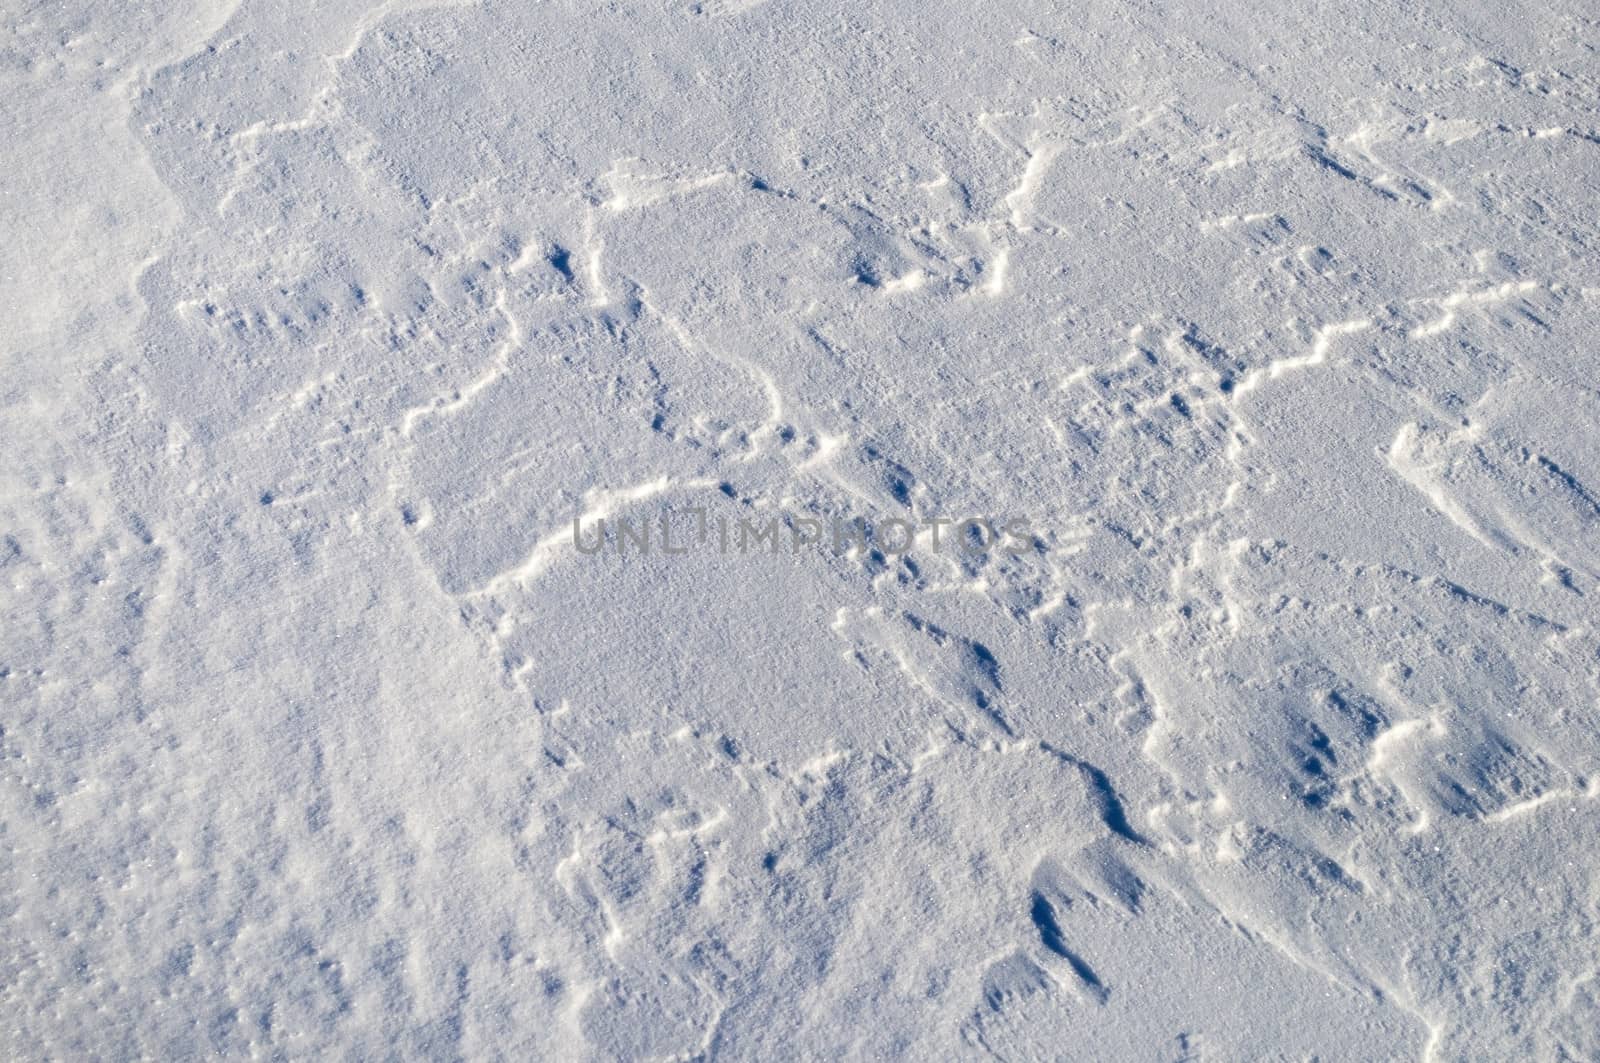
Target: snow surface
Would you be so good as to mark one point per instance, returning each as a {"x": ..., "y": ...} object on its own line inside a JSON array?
[{"x": 1276, "y": 323}]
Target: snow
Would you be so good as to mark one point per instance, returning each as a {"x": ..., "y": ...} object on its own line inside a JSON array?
[{"x": 1275, "y": 328}]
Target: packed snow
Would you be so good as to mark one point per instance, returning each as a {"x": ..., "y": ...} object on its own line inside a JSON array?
[{"x": 471, "y": 583}]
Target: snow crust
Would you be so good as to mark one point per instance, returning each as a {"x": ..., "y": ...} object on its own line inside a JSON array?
[{"x": 1275, "y": 324}]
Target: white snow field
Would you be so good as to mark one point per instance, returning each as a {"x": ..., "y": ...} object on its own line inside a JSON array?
[{"x": 1273, "y": 331}]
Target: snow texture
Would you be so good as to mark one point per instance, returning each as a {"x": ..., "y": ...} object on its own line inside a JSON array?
[{"x": 1276, "y": 324}]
